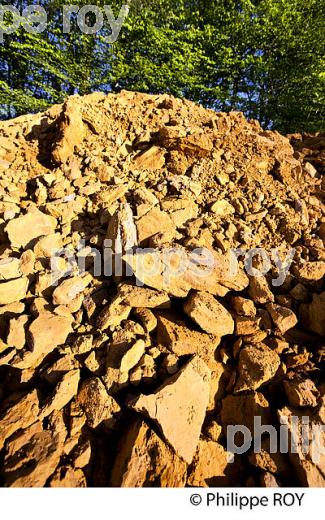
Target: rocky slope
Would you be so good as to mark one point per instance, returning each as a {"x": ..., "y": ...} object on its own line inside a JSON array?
[{"x": 117, "y": 374}]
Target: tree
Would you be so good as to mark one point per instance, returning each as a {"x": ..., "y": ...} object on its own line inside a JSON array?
[{"x": 264, "y": 57}]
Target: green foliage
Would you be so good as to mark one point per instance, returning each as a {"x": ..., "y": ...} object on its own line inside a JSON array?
[{"x": 264, "y": 57}]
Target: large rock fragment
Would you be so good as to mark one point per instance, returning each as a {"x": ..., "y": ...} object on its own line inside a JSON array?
[
  {"x": 179, "y": 407},
  {"x": 98, "y": 406},
  {"x": 13, "y": 291},
  {"x": 69, "y": 289},
  {"x": 32, "y": 458},
  {"x": 220, "y": 376},
  {"x": 154, "y": 222},
  {"x": 146, "y": 317},
  {"x": 27, "y": 262},
  {"x": 47, "y": 246},
  {"x": 177, "y": 270},
  {"x": 213, "y": 466},
  {"x": 310, "y": 271},
  {"x": 144, "y": 460},
  {"x": 222, "y": 208},
  {"x": 70, "y": 131},
  {"x": 45, "y": 333},
  {"x": 247, "y": 325},
  {"x": 48, "y": 331},
  {"x": 268, "y": 460},
  {"x": 22, "y": 230},
  {"x": 54, "y": 373},
  {"x": 243, "y": 306},
  {"x": 305, "y": 446},
  {"x": 301, "y": 392},
  {"x": 259, "y": 290},
  {"x": 282, "y": 317},
  {"x": 313, "y": 314},
  {"x": 20, "y": 413},
  {"x": 209, "y": 314},
  {"x": 152, "y": 159},
  {"x": 110, "y": 194},
  {"x": 257, "y": 365},
  {"x": 65, "y": 390},
  {"x": 9, "y": 268},
  {"x": 16, "y": 332},
  {"x": 181, "y": 210},
  {"x": 121, "y": 237},
  {"x": 134, "y": 296},
  {"x": 67, "y": 477},
  {"x": 122, "y": 354},
  {"x": 113, "y": 314},
  {"x": 243, "y": 410},
  {"x": 192, "y": 145},
  {"x": 132, "y": 356},
  {"x": 181, "y": 340}
]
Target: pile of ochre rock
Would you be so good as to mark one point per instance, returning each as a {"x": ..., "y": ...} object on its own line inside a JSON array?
[{"x": 116, "y": 372}]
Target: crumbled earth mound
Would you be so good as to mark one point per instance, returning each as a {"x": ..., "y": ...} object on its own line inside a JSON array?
[{"x": 115, "y": 371}]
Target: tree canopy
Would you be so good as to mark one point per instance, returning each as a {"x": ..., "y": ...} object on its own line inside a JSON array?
[{"x": 263, "y": 57}]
